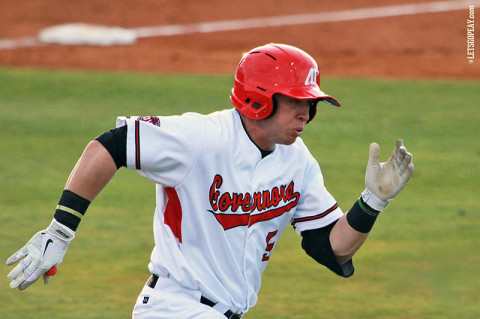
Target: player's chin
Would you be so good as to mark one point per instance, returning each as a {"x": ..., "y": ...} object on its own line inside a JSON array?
[{"x": 289, "y": 140}]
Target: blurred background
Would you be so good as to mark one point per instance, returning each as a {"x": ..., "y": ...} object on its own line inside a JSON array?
[
  {"x": 423, "y": 45},
  {"x": 400, "y": 69}
]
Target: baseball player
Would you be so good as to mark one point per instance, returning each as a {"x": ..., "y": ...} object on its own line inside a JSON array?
[{"x": 227, "y": 186}]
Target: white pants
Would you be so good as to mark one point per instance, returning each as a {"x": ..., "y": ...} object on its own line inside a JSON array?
[{"x": 168, "y": 300}]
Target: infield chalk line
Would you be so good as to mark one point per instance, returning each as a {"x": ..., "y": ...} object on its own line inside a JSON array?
[
  {"x": 336, "y": 16},
  {"x": 235, "y": 25}
]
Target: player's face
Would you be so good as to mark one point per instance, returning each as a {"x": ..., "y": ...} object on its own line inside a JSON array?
[{"x": 288, "y": 121}]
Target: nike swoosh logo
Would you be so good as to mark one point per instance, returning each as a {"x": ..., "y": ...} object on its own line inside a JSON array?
[{"x": 46, "y": 246}]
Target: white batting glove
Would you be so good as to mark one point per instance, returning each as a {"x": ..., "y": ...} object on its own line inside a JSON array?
[
  {"x": 385, "y": 180},
  {"x": 44, "y": 250}
]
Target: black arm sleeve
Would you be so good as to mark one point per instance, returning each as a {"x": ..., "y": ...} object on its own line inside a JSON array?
[
  {"x": 316, "y": 244},
  {"x": 115, "y": 141}
]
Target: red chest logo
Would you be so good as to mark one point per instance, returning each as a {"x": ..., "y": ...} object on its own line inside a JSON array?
[{"x": 269, "y": 204}]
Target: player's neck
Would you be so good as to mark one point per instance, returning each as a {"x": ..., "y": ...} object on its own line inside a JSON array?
[{"x": 254, "y": 133}]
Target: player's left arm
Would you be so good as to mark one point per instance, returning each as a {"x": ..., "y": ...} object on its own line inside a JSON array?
[
  {"x": 334, "y": 245},
  {"x": 383, "y": 182}
]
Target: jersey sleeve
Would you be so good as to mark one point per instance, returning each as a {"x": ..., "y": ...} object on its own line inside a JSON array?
[
  {"x": 317, "y": 208},
  {"x": 163, "y": 149}
]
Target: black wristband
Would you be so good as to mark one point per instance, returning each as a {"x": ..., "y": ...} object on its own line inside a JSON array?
[
  {"x": 359, "y": 219},
  {"x": 367, "y": 208},
  {"x": 70, "y": 209}
]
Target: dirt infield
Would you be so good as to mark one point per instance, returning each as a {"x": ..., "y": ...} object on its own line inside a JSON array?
[{"x": 428, "y": 45}]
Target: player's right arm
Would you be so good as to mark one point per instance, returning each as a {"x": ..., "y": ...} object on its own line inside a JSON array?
[
  {"x": 93, "y": 171},
  {"x": 96, "y": 167}
]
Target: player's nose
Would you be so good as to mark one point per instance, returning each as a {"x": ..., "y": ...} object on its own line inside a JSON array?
[{"x": 303, "y": 113}]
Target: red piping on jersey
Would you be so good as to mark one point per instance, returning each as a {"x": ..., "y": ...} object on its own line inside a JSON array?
[
  {"x": 304, "y": 219},
  {"x": 173, "y": 213}
]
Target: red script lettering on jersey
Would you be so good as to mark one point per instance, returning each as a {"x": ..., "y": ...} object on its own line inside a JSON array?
[{"x": 266, "y": 202}]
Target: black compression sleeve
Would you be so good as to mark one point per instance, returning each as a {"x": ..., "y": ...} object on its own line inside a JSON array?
[
  {"x": 316, "y": 244},
  {"x": 115, "y": 141}
]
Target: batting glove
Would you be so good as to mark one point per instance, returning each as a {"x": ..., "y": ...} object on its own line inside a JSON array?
[
  {"x": 44, "y": 250},
  {"x": 385, "y": 180}
]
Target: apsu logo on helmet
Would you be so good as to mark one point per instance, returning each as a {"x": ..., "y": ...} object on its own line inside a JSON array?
[{"x": 312, "y": 77}]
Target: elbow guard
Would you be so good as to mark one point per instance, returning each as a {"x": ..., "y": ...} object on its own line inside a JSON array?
[{"x": 316, "y": 244}]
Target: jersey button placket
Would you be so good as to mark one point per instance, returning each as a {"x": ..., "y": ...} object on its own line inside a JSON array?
[{"x": 256, "y": 177}]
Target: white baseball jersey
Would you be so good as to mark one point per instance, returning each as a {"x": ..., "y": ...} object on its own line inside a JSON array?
[{"x": 220, "y": 206}]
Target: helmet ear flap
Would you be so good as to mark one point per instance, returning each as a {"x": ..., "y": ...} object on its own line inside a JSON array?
[{"x": 253, "y": 104}]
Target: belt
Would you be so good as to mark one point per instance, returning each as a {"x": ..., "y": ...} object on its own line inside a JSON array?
[
  {"x": 229, "y": 314},
  {"x": 152, "y": 281}
]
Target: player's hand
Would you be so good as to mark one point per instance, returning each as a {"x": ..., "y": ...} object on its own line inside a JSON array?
[
  {"x": 385, "y": 180},
  {"x": 44, "y": 250}
]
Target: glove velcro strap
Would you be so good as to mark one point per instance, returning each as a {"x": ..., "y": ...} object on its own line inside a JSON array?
[
  {"x": 70, "y": 209},
  {"x": 60, "y": 231},
  {"x": 372, "y": 201}
]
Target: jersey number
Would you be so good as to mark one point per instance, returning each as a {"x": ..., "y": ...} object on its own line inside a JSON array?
[{"x": 270, "y": 245}]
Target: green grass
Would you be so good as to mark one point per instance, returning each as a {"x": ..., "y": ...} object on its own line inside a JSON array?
[{"x": 421, "y": 260}]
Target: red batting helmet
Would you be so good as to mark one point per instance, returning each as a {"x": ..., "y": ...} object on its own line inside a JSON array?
[{"x": 276, "y": 68}]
